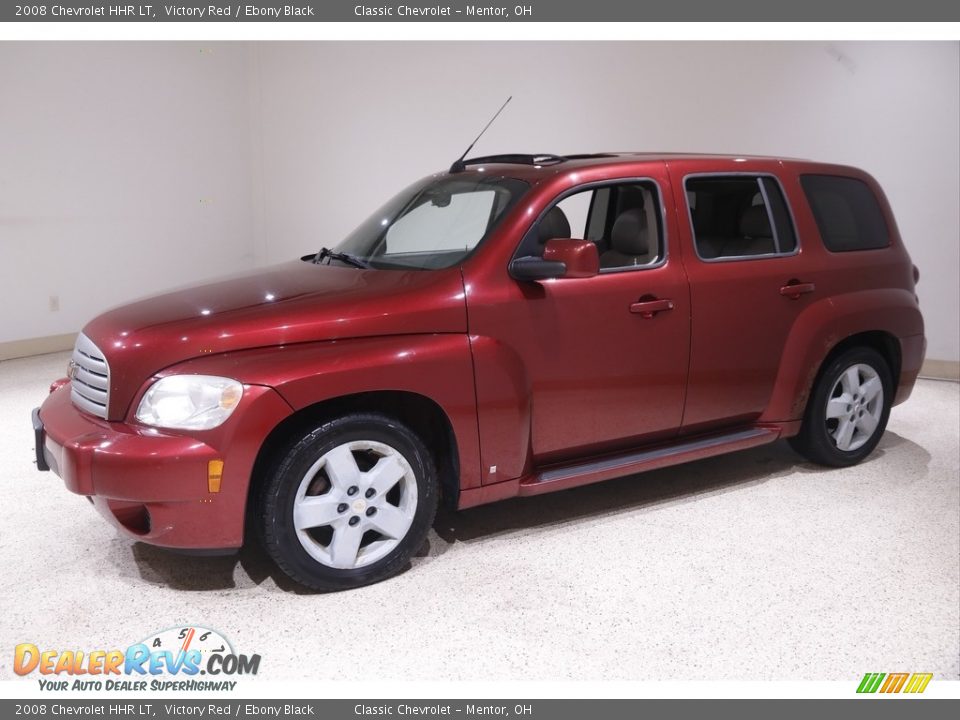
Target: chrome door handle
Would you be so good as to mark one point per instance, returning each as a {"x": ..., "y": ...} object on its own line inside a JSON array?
[
  {"x": 794, "y": 289},
  {"x": 648, "y": 308}
]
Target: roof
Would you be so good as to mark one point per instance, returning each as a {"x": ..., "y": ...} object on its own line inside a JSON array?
[{"x": 532, "y": 166}]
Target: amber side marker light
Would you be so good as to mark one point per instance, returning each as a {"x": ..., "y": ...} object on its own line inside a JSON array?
[{"x": 214, "y": 475}]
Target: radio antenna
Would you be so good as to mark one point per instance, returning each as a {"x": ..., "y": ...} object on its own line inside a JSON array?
[{"x": 459, "y": 165}]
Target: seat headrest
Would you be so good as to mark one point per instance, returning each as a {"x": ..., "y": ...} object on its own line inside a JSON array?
[
  {"x": 553, "y": 225},
  {"x": 629, "y": 234},
  {"x": 755, "y": 223}
]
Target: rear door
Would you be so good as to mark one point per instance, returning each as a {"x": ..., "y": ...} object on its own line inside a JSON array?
[{"x": 749, "y": 281}]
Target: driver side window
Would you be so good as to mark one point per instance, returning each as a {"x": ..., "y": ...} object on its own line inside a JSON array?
[{"x": 623, "y": 219}]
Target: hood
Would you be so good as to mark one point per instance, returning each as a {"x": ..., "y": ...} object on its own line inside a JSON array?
[{"x": 296, "y": 302}]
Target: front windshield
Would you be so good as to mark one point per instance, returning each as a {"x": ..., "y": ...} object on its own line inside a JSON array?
[{"x": 434, "y": 223}]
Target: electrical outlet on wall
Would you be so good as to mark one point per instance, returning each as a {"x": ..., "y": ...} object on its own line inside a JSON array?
[{"x": 54, "y": 303}]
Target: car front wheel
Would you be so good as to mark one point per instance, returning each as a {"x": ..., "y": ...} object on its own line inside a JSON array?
[{"x": 349, "y": 503}]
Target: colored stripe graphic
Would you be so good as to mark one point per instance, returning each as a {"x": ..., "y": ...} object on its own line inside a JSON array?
[
  {"x": 894, "y": 683},
  {"x": 870, "y": 682},
  {"x": 918, "y": 682}
]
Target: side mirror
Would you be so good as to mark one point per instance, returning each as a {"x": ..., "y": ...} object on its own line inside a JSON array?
[
  {"x": 579, "y": 256},
  {"x": 562, "y": 258}
]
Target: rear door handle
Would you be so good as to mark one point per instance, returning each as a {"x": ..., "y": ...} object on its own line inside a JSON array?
[
  {"x": 648, "y": 308},
  {"x": 794, "y": 289}
]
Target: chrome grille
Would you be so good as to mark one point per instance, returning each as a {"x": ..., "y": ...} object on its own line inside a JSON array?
[{"x": 90, "y": 376}]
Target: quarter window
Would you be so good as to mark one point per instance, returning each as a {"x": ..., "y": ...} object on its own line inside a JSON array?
[
  {"x": 739, "y": 216},
  {"x": 847, "y": 213}
]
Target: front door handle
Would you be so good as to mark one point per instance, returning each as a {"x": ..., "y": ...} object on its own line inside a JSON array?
[
  {"x": 648, "y": 308},
  {"x": 794, "y": 289}
]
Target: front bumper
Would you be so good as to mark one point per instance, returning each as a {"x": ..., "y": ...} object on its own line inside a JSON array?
[
  {"x": 43, "y": 463},
  {"x": 152, "y": 484}
]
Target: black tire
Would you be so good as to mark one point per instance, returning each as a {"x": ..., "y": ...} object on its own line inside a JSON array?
[
  {"x": 816, "y": 440},
  {"x": 275, "y": 504}
]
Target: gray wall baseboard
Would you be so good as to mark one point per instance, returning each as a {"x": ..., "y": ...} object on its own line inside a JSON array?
[
  {"x": 36, "y": 346},
  {"x": 940, "y": 369}
]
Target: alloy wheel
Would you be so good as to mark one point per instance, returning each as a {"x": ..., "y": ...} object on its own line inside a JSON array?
[
  {"x": 855, "y": 407},
  {"x": 355, "y": 504}
]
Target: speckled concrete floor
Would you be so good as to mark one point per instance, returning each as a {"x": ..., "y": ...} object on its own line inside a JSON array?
[{"x": 750, "y": 566}]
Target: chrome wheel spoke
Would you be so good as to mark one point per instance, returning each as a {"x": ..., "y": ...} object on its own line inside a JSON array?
[
  {"x": 342, "y": 468},
  {"x": 838, "y": 407},
  {"x": 851, "y": 380},
  {"x": 311, "y": 512},
  {"x": 867, "y": 424},
  {"x": 385, "y": 474},
  {"x": 390, "y": 521},
  {"x": 345, "y": 546},
  {"x": 871, "y": 388},
  {"x": 844, "y": 434}
]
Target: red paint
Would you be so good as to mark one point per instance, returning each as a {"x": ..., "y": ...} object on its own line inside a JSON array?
[
  {"x": 125, "y": 466},
  {"x": 531, "y": 376},
  {"x": 288, "y": 304},
  {"x": 578, "y": 256}
]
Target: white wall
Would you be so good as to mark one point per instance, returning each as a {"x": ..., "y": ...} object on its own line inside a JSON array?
[
  {"x": 124, "y": 169},
  {"x": 112, "y": 146},
  {"x": 347, "y": 124}
]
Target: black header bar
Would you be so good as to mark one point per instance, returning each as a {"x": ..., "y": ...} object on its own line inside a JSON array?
[
  {"x": 497, "y": 11},
  {"x": 126, "y": 708}
]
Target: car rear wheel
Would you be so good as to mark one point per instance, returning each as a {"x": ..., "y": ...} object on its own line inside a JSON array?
[
  {"x": 349, "y": 503},
  {"x": 848, "y": 410}
]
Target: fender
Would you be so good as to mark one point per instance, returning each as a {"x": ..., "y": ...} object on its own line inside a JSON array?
[
  {"x": 826, "y": 323},
  {"x": 504, "y": 413},
  {"x": 438, "y": 367}
]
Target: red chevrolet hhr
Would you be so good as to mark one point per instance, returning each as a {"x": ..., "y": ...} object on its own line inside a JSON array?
[{"x": 517, "y": 325}]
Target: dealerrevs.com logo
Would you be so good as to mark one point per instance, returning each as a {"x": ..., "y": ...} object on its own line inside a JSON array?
[{"x": 172, "y": 659}]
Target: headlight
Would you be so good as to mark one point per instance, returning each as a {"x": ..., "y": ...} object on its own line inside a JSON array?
[{"x": 189, "y": 402}]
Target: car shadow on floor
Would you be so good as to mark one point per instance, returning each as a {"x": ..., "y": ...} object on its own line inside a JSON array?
[
  {"x": 689, "y": 482},
  {"x": 644, "y": 492}
]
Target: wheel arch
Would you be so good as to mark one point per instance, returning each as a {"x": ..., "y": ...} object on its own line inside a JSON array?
[
  {"x": 421, "y": 414},
  {"x": 879, "y": 319},
  {"x": 885, "y": 343}
]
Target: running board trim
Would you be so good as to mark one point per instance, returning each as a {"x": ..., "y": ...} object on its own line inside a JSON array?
[{"x": 583, "y": 473}]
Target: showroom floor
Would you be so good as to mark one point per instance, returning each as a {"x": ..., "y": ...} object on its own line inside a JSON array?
[{"x": 751, "y": 566}]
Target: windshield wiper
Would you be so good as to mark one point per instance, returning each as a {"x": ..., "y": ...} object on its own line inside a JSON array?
[{"x": 341, "y": 256}]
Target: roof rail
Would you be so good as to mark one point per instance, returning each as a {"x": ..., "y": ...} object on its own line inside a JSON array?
[{"x": 517, "y": 159}]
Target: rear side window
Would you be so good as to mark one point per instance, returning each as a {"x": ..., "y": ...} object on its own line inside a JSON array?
[
  {"x": 847, "y": 213},
  {"x": 739, "y": 217}
]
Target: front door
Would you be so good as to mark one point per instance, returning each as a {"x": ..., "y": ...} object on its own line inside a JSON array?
[{"x": 603, "y": 360}]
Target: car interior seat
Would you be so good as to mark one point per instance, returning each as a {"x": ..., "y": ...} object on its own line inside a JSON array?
[
  {"x": 756, "y": 236},
  {"x": 629, "y": 240},
  {"x": 553, "y": 225}
]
